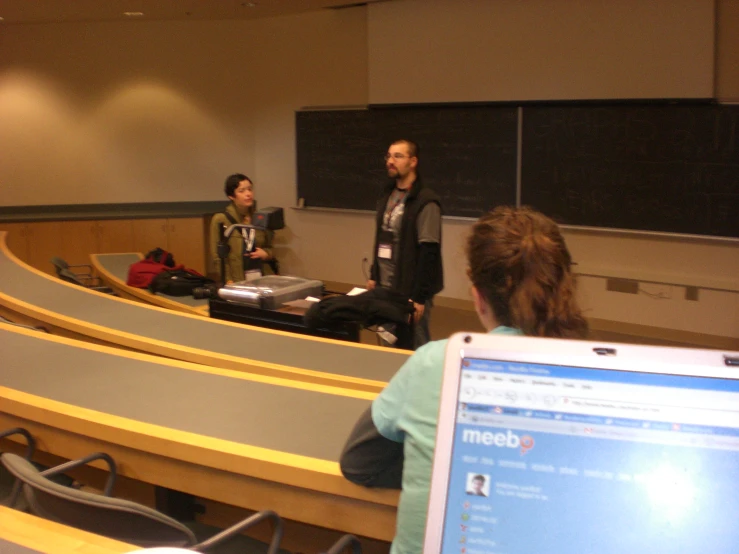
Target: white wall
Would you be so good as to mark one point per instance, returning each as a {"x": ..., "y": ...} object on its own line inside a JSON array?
[
  {"x": 157, "y": 111},
  {"x": 163, "y": 111},
  {"x": 482, "y": 50}
]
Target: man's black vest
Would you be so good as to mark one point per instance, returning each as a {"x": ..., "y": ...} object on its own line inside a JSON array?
[{"x": 405, "y": 279}]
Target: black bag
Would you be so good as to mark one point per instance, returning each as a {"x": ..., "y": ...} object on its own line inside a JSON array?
[
  {"x": 178, "y": 282},
  {"x": 161, "y": 256}
]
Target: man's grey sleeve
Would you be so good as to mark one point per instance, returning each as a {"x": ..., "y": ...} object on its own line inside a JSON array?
[
  {"x": 429, "y": 223},
  {"x": 370, "y": 459}
]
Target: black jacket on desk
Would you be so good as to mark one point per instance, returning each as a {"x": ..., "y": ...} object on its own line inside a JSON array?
[
  {"x": 419, "y": 274},
  {"x": 374, "y": 307}
]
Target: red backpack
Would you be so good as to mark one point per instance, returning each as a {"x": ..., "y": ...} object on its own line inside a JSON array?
[{"x": 140, "y": 274}]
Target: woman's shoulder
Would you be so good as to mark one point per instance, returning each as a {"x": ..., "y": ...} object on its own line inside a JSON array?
[
  {"x": 429, "y": 357},
  {"x": 432, "y": 349},
  {"x": 227, "y": 217}
]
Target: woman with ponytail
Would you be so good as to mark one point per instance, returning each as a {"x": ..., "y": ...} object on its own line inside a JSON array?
[
  {"x": 522, "y": 284},
  {"x": 520, "y": 271}
]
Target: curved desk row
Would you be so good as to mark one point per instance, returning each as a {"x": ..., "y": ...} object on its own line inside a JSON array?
[
  {"x": 22, "y": 533},
  {"x": 120, "y": 322},
  {"x": 246, "y": 440}
]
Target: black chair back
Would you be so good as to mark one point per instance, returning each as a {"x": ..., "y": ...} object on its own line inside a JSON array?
[
  {"x": 112, "y": 517},
  {"x": 6, "y": 478}
]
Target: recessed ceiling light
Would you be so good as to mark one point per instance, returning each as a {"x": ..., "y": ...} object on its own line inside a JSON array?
[
  {"x": 2, "y": 19},
  {"x": 133, "y": 14}
]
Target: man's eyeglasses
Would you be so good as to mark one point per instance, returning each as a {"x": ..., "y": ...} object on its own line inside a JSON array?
[{"x": 396, "y": 156}]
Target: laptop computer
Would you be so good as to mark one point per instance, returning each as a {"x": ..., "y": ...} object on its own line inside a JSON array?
[{"x": 557, "y": 446}]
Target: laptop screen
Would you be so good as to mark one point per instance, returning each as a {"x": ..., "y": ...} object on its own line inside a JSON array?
[{"x": 566, "y": 459}]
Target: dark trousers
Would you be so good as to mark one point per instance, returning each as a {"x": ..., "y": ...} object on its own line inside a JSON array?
[{"x": 421, "y": 330}]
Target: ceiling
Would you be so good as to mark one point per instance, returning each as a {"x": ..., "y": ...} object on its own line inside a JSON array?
[{"x": 38, "y": 11}]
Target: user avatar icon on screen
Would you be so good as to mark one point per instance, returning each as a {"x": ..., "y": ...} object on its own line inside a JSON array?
[{"x": 478, "y": 484}]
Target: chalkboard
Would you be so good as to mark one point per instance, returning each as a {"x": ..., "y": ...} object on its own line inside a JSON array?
[
  {"x": 468, "y": 155},
  {"x": 670, "y": 168}
]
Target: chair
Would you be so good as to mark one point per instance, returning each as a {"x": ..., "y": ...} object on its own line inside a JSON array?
[
  {"x": 346, "y": 540},
  {"x": 82, "y": 278},
  {"x": 12, "y": 498},
  {"x": 23, "y": 325},
  {"x": 116, "y": 518}
]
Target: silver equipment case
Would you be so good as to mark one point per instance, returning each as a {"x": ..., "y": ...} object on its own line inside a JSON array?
[{"x": 271, "y": 291}]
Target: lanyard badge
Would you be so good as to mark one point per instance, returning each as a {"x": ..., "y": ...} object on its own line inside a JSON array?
[
  {"x": 250, "y": 236},
  {"x": 385, "y": 245}
]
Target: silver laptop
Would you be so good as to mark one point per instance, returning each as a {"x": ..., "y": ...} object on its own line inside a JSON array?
[{"x": 556, "y": 446}]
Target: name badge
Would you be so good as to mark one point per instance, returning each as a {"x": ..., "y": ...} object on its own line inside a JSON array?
[{"x": 385, "y": 245}]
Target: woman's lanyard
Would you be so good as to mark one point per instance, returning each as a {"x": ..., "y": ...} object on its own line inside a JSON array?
[{"x": 250, "y": 236}]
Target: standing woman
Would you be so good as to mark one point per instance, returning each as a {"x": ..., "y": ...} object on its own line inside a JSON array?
[
  {"x": 522, "y": 284},
  {"x": 250, "y": 248}
]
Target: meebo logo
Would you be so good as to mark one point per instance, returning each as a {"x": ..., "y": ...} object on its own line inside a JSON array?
[{"x": 508, "y": 439}]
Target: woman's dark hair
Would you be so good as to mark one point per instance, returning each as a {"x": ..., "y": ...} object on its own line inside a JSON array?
[
  {"x": 519, "y": 263},
  {"x": 232, "y": 183}
]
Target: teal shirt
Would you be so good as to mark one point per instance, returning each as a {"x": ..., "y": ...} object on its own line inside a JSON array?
[{"x": 407, "y": 411}]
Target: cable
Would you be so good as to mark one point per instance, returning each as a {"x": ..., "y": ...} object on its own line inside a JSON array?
[{"x": 655, "y": 295}]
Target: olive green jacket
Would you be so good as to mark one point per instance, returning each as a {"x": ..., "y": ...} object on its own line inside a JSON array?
[{"x": 235, "y": 261}]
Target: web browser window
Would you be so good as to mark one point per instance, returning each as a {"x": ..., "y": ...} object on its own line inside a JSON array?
[{"x": 553, "y": 459}]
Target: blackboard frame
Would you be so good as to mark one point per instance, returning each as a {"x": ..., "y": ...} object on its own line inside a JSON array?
[{"x": 524, "y": 185}]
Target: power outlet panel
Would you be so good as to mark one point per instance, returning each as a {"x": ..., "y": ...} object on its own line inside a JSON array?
[
  {"x": 622, "y": 285},
  {"x": 691, "y": 293}
]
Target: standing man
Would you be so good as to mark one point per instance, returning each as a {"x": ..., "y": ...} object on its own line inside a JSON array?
[{"x": 407, "y": 255}]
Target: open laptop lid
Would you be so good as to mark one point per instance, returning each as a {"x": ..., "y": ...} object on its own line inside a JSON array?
[{"x": 564, "y": 446}]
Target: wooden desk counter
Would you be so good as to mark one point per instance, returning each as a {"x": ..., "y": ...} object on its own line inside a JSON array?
[
  {"x": 246, "y": 440},
  {"x": 22, "y": 533},
  {"x": 192, "y": 338}
]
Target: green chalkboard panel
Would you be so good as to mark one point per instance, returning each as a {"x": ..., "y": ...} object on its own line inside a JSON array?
[
  {"x": 663, "y": 167},
  {"x": 468, "y": 155}
]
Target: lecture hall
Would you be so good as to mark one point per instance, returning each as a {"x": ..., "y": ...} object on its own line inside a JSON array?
[{"x": 131, "y": 418}]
